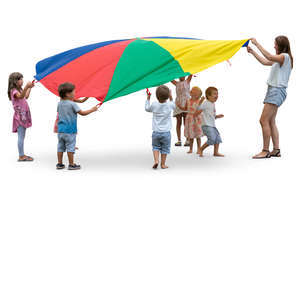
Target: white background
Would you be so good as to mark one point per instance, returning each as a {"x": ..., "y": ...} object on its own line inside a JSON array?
[{"x": 206, "y": 228}]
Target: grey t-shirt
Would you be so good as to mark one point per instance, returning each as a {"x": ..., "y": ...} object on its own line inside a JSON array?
[
  {"x": 67, "y": 116},
  {"x": 208, "y": 114}
]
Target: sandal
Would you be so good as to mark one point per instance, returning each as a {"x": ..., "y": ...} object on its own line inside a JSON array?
[
  {"x": 27, "y": 158},
  {"x": 275, "y": 153},
  {"x": 268, "y": 155},
  {"x": 187, "y": 144},
  {"x": 178, "y": 144}
]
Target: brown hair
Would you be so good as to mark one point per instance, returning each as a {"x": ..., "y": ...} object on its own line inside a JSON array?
[
  {"x": 283, "y": 44},
  {"x": 209, "y": 90},
  {"x": 12, "y": 83},
  {"x": 162, "y": 93},
  {"x": 65, "y": 88}
]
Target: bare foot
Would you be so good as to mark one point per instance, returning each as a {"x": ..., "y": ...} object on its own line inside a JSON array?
[
  {"x": 199, "y": 151},
  {"x": 218, "y": 154},
  {"x": 155, "y": 166},
  {"x": 189, "y": 152},
  {"x": 164, "y": 167}
]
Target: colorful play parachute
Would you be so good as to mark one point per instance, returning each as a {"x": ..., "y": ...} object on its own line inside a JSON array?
[{"x": 112, "y": 69}]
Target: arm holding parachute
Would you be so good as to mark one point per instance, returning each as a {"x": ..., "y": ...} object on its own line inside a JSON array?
[
  {"x": 270, "y": 57},
  {"x": 261, "y": 59}
]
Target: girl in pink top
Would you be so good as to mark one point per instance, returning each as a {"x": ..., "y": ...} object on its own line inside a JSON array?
[{"x": 22, "y": 117}]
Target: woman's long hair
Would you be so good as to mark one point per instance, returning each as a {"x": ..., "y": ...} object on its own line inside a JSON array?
[
  {"x": 13, "y": 82},
  {"x": 283, "y": 44}
]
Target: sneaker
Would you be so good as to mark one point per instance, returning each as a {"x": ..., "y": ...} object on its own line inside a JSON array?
[
  {"x": 74, "y": 167},
  {"x": 60, "y": 166}
]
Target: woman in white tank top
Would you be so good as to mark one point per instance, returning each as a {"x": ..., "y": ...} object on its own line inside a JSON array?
[{"x": 282, "y": 64}]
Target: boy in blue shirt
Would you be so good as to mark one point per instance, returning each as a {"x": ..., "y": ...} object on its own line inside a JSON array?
[
  {"x": 161, "y": 124},
  {"x": 67, "y": 124}
]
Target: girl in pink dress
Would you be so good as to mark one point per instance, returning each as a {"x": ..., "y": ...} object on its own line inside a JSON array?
[
  {"x": 182, "y": 95},
  {"x": 22, "y": 117},
  {"x": 192, "y": 127}
]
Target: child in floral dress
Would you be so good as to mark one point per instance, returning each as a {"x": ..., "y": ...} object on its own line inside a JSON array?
[{"x": 192, "y": 127}]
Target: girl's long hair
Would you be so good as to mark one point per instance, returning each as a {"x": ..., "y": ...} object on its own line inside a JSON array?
[
  {"x": 13, "y": 82},
  {"x": 283, "y": 44}
]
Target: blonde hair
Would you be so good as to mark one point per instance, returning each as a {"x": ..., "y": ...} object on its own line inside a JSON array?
[{"x": 197, "y": 89}]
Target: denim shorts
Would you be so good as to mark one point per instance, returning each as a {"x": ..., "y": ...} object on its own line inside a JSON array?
[
  {"x": 161, "y": 141},
  {"x": 275, "y": 95},
  {"x": 213, "y": 135},
  {"x": 66, "y": 142}
]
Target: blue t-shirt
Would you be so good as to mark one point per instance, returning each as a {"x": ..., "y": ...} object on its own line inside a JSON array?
[{"x": 67, "y": 116}]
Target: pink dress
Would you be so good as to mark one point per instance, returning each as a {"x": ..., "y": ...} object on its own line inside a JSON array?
[
  {"x": 192, "y": 126},
  {"x": 182, "y": 95},
  {"x": 22, "y": 116}
]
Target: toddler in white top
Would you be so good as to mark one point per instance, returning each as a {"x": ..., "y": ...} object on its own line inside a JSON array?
[
  {"x": 208, "y": 121},
  {"x": 161, "y": 124}
]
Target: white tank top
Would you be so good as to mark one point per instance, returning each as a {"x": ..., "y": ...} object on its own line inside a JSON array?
[{"x": 279, "y": 75}]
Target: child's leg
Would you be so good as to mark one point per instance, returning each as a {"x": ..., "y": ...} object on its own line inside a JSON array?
[
  {"x": 70, "y": 147},
  {"x": 178, "y": 126},
  {"x": 191, "y": 145},
  {"x": 156, "y": 158},
  {"x": 202, "y": 149},
  {"x": 71, "y": 158},
  {"x": 216, "y": 150},
  {"x": 21, "y": 137},
  {"x": 61, "y": 148},
  {"x": 165, "y": 148},
  {"x": 187, "y": 141},
  {"x": 198, "y": 145},
  {"x": 163, "y": 161},
  {"x": 60, "y": 157}
]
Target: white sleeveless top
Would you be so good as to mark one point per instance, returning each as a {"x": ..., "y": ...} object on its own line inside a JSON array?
[{"x": 279, "y": 75}]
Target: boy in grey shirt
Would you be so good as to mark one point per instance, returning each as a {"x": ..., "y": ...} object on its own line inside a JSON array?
[{"x": 67, "y": 124}]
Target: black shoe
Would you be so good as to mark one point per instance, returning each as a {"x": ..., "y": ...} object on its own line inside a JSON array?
[
  {"x": 60, "y": 166},
  {"x": 74, "y": 167}
]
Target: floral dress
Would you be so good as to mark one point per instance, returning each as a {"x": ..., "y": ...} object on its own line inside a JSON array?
[
  {"x": 192, "y": 128},
  {"x": 182, "y": 95},
  {"x": 22, "y": 116}
]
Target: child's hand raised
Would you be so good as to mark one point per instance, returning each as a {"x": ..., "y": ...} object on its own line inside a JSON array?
[
  {"x": 148, "y": 94},
  {"x": 95, "y": 108},
  {"x": 30, "y": 84}
]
